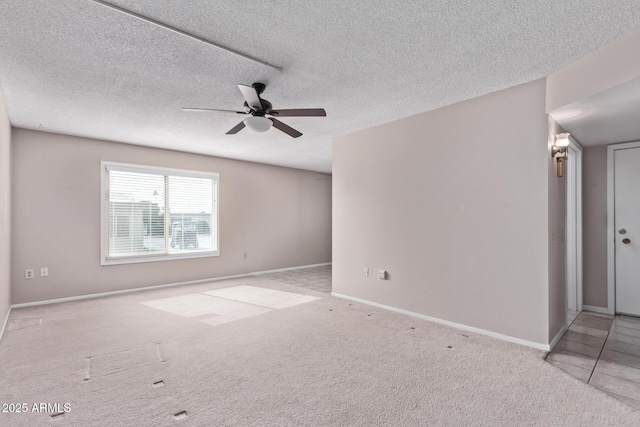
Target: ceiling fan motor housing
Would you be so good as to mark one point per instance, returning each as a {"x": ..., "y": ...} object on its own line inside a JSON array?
[{"x": 264, "y": 105}]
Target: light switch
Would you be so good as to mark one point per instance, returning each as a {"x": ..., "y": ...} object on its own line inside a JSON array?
[{"x": 382, "y": 274}]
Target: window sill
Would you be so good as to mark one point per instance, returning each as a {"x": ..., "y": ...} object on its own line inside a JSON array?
[{"x": 156, "y": 258}]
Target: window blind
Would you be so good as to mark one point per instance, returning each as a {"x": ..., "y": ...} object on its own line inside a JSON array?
[{"x": 156, "y": 213}]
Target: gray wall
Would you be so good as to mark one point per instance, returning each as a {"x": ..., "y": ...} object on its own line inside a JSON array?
[
  {"x": 5, "y": 213},
  {"x": 454, "y": 203},
  {"x": 594, "y": 218},
  {"x": 616, "y": 63},
  {"x": 280, "y": 216}
]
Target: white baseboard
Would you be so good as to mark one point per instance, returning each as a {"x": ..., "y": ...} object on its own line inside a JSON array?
[
  {"x": 4, "y": 325},
  {"x": 168, "y": 285},
  {"x": 601, "y": 310},
  {"x": 503, "y": 337},
  {"x": 555, "y": 339},
  {"x": 278, "y": 270}
]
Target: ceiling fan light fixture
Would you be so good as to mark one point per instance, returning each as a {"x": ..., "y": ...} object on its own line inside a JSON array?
[
  {"x": 258, "y": 123},
  {"x": 257, "y": 108}
]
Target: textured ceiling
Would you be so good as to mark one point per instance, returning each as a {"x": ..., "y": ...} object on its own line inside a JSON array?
[{"x": 77, "y": 67}]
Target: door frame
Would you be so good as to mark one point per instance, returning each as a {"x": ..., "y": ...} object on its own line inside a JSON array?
[
  {"x": 611, "y": 231},
  {"x": 574, "y": 223}
]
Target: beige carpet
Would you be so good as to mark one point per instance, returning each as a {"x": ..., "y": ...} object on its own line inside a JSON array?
[{"x": 130, "y": 361}]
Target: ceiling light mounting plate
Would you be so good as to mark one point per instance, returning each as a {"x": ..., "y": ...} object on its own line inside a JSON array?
[{"x": 259, "y": 87}]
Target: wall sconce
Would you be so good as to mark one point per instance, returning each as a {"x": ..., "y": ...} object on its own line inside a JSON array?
[{"x": 559, "y": 152}]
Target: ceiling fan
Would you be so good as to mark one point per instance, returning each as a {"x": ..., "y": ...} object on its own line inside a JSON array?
[{"x": 262, "y": 116}]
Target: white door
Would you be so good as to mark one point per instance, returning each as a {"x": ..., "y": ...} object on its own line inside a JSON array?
[{"x": 627, "y": 230}]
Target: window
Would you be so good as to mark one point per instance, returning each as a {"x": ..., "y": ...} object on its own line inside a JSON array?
[{"x": 153, "y": 214}]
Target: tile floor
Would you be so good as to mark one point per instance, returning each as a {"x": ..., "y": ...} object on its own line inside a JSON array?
[
  {"x": 603, "y": 351},
  {"x": 315, "y": 278}
]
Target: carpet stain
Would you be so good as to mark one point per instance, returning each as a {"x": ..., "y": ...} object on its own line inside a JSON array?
[
  {"x": 57, "y": 416},
  {"x": 17, "y": 324},
  {"x": 180, "y": 415},
  {"x": 121, "y": 361},
  {"x": 159, "y": 353},
  {"x": 87, "y": 368},
  {"x": 158, "y": 383}
]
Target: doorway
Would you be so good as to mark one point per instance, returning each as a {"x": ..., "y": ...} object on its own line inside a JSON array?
[{"x": 623, "y": 228}]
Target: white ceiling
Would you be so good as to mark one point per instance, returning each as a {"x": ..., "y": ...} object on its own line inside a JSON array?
[
  {"x": 80, "y": 68},
  {"x": 605, "y": 118}
]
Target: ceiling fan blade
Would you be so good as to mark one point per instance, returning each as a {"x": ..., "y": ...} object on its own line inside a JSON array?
[
  {"x": 251, "y": 96},
  {"x": 300, "y": 112},
  {"x": 237, "y": 128},
  {"x": 285, "y": 128},
  {"x": 206, "y": 110}
]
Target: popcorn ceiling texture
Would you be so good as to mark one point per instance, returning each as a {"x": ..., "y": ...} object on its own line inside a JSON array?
[{"x": 77, "y": 67}]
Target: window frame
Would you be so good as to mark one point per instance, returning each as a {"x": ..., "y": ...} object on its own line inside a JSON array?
[{"x": 105, "y": 225}]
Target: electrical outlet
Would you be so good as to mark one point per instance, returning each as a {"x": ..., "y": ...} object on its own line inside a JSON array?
[
  {"x": 365, "y": 271},
  {"x": 44, "y": 271},
  {"x": 382, "y": 274},
  {"x": 28, "y": 273}
]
